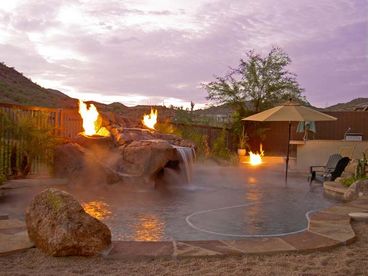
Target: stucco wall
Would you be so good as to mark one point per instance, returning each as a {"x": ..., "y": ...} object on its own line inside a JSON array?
[{"x": 316, "y": 152}]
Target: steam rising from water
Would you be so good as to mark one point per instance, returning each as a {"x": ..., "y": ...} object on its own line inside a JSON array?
[{"x": 136, "y": 212}]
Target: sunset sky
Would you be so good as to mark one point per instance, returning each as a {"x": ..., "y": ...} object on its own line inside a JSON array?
[{"x": 160, "y": 51}]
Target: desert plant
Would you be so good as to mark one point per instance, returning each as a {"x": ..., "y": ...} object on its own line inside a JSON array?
[
  {"x": 33, "y": 137},
  {"x": 168, "y": 128},
  {"x": 219, "y": 148},
  {"x": 243, "y": 140},
  {"x": 347, "y": 182},
  {"x": 360, "y": 170},
  {"x": 2, "y": 178}
]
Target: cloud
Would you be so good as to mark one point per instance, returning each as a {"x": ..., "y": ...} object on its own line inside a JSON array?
[{"x": 156, "y": 50}]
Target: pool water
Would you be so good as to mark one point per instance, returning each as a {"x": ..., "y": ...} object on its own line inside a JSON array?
[{"x": 219, "y": 203}]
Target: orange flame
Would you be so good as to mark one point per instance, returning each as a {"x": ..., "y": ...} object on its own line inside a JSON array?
[
  {"x": 91, "y": 124},
  {"x": 151, "y": 119},
  {"x": 256, "y": 159}
]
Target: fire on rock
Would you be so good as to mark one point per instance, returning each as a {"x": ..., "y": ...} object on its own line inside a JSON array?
[{"x": 109, "y": 151}]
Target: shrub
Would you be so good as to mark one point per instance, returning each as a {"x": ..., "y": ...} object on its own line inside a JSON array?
[
  {"x": 168, "y": 128},
  {"x": 219, "y": 148},
  {"x": 32, "y": 137},
  {"x": 347, "y": 182},
  {"x": 2, "y": 178}
]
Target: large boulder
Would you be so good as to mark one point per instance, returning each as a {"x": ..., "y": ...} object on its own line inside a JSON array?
[
  {"x": 131, "y": 155},
  {"x": 81, "y": 164},
  {"x": 124, "y": 136},
  {"x": 174, "y": 140},
  {"x": 146, "y": 158},
  {"x": 68, "y": 159},
  {"x": 94, "y": 142},
  {"x": 59, "y": 226},
  {"x": 128, "y": 135}
]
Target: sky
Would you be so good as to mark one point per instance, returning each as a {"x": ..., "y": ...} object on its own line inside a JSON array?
[{"x": 160, "y": 51}]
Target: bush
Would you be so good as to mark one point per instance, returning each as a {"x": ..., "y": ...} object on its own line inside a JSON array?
[
  {"x": 203, "y": 150},
  {"x": 347, "y": 182},
  {"x": 219, "y": 148},
  {"x": 168, "y": 128},
  {"x": 2, "y": 178},
  {"x": 199, "y": 139},
  {"x": 32, "y": 137}
]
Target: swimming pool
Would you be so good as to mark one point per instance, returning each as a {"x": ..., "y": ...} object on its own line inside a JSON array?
[{"x": 219, "y": 203}]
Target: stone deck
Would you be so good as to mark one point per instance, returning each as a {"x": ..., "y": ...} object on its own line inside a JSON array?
[{"x": 326, "y": 229}]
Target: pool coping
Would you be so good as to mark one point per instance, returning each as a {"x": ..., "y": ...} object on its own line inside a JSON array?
[{"x": 327, "y": 228}]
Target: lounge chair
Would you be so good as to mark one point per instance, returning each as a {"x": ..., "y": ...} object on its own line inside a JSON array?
[
  {"x": 340, "y": 167},
  {"x": 321, "y": 172}
]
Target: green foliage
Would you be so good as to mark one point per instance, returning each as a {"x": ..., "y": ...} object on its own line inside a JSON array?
[
  {"x": 361, "y": 168},
  {"x": 233, "y": 158},
  {"x": 2, "y": 178},
  {"x": 243, "y": 140},
  {"x": 257, "y": 84},
  {"x": 219, "y": 148},
  {"x": 203, "y": 150},
  {"x": 36, "y": 133},
  {"x": 32, "y": 135},
  {"x": 199, "y": 139},
  {"x": 167, "y": 128},
  {"x": 183, "y": 116},
  {"x": 347, "y": 182},
  {"x": 263, "y": 81}
]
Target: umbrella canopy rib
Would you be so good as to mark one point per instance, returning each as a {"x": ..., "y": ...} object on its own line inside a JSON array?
[{"x": 291, "y": 113}]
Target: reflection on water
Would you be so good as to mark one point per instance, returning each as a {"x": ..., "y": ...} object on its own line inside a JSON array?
[
  {"x": 97, "y": 209},
  {"x": 253, "y": 195},
  {"x": 149, "y": 228},
  {"x": 265, "y": 206},
  {"x": 252, "y": 180}
]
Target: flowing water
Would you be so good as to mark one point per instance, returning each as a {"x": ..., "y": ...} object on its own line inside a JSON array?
[{"x": 187, "y": 156}]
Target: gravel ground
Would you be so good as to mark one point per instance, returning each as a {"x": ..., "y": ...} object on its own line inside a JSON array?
[{"x": 344, "y": 260}]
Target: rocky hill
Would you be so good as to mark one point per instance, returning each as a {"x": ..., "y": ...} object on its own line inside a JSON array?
[
  {"x": 17, "y": 89},
  {"x": 359, "y": 103}
]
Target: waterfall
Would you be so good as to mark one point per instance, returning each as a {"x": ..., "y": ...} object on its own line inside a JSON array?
[{"x": 187, "y": 156}]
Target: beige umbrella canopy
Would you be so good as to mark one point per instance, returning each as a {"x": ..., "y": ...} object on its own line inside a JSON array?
[{"x": 290, "y": 112}]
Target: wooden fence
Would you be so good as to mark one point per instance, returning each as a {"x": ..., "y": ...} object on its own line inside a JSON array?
[
  {"x": 211, "y": 132},
  {"x": 67, "y": 123},
  {"x": 275, "y": 140},
  {"x": 62, "y": 122}
]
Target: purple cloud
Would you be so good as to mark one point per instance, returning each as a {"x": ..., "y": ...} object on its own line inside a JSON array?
[{"x": 156, "y": 50}]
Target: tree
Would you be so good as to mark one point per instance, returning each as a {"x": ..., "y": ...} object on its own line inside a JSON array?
[
  {"x": 261, "y": 81},
  {"x": 191, "y": 106}
]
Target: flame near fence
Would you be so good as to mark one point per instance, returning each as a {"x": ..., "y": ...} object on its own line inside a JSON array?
[
  {"x": 67, "y": 123},
  {"x": 14, "y": 121}
]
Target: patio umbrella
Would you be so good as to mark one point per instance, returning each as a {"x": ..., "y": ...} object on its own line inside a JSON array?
[
  {"x": 306, "y": 127},
  {"x": 290, "y": 112}
]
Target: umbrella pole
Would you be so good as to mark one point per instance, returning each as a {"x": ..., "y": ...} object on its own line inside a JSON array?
[{"x": 287, "y": 154}]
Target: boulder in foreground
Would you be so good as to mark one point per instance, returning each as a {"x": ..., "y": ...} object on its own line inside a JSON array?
[{"x": 59, "y": 226}]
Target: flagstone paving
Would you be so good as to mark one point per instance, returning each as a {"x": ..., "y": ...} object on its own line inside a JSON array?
[
  {"x": 327, "y": 228},
  {"x": 13, "y": 236}
]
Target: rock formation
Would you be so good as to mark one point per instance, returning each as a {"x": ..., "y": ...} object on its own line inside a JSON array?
[
  {"x": 59, "y": 226},
  {"x": 128, "y": 155}
]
